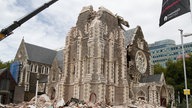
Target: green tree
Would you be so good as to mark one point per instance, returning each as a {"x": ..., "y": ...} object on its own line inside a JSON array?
[
  {"x": 5, "y": 64},
  {"x": 174, "y": 75},
  {"x": 158, "y": 69}
]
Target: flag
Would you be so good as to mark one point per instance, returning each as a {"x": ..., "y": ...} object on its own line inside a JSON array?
[{"x": 172, "y": 9}]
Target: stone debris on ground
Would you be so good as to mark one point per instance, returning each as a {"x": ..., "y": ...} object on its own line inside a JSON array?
[{"x": 43, "y": 101}]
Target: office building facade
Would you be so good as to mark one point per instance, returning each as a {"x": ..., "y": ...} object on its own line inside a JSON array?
[{"x": 164, "y": 50}]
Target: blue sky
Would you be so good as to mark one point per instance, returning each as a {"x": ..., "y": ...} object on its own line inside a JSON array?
[{"x": 50, "y": 27}]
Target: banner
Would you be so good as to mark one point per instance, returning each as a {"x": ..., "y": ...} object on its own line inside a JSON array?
[
  {"x": 172, "y": 9},
  {"x": 15, "y": 69}
]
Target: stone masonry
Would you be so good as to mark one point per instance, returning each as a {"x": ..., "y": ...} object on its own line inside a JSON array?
[{"x": 95, "y": 61}]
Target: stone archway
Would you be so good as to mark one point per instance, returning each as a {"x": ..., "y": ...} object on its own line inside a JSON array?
[
  {"x": 163, "y": 97},
  {"x": 140, "y": 95},
  {"x": 93, "y": 97},
  {"x": 52, "y": 93}
]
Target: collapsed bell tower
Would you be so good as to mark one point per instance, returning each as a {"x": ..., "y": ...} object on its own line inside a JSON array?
[{"x": 95, "y": 64}]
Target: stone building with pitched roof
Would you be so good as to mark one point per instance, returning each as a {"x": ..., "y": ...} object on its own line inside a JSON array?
[
  {"x": 104, "y": 62},
  {"x": 144, "y": 85},
  {"x": 39, "y": 62},
  {"x": 101, "y": 62},
  {"x": 7, "y": 86}
]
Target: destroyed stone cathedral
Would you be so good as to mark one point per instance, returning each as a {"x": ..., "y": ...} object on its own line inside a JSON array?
[{"x": 101, "y": 62}]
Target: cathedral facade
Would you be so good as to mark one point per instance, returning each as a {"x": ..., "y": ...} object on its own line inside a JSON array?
[
  {"x": 101, "y": 62},
  {"x": 95, "y": 61}
]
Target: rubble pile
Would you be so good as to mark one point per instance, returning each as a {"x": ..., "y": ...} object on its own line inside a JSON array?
[
  {"x": 1, "y": 105},
  {"x": 44, "y": 101}
]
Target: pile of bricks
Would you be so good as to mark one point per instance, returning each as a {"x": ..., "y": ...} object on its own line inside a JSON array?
[{"x": 44, "y": 101}]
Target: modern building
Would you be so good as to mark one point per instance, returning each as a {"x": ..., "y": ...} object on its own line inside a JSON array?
[{"x": 162, "y": 51}]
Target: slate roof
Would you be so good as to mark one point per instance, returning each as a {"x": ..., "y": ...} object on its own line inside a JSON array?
[
  {"x": 151, "y": 78},
  {"x": 129, "y": 36},
  {"x": 60, "y": 59},
  {"x": 40, "y": 54},
  {"x": 2, "y": 70}
]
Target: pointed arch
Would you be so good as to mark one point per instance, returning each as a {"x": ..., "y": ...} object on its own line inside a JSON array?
[
  {"x": 148, "y": 93},
  {"x": 141, "y": 95},
  {"x": 163, "y": 96},
  {"x": 52, "y": 93},
  {"x": 85, "y": 59}
]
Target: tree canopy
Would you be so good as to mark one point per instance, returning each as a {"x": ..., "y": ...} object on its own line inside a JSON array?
[
  {"x": 174, "y": 74},
  {"x": 5, "y": 64}
]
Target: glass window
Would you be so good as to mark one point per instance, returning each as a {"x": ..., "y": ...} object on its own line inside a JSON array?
[
  {"x": 31, "y": 67},
  {"x": 36, "y": 68},
  {"x": 47, "y": 70},
  {"x": 42, "y": 69},
  {"x": 39, "y": 69}
]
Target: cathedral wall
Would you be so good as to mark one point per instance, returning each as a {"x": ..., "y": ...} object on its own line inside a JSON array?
[
  {"x": 68, "y": 92},
  {"x": 95, "y": 59}
]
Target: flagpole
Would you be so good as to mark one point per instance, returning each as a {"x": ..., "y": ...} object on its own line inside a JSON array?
[{"x": 190, "y": 1}]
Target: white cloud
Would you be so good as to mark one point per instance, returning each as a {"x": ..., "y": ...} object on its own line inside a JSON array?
[{"x": 50, "y": 27}]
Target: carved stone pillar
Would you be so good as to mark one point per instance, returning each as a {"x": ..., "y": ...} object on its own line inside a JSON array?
[
  {"x": 111, "y": 95},
  {"x": 90, "y": 55},
  {"x": 79, "y": 60},
  {"x": 101, "y": 94},
  {"x": 66, "y": 60},
  {"x": 116, "y": 73},
  {"x": 61, "y": 90},
  {"x": 111, "y": 59},
  {"x": 86, "y": 92},
  {"x": 153, "y": 95},
  {"x": 126, "y": 95},
  {"x": 76, "y": 91}
]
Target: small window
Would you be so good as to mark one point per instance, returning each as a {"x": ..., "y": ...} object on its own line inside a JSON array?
[
  {"x": 47, "y": 70},
  {"x": 31, "y": 67},
  {"x": 39, "y": 69},
  {"x": 42, "y": 69},
  {"x": 36, "y": 68},
  {"x": 53, "y": 76}
]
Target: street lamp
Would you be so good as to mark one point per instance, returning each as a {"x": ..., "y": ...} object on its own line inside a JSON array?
[
  {"x": 184, "y": 67},
  {"x": 36, "y": 92}
]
